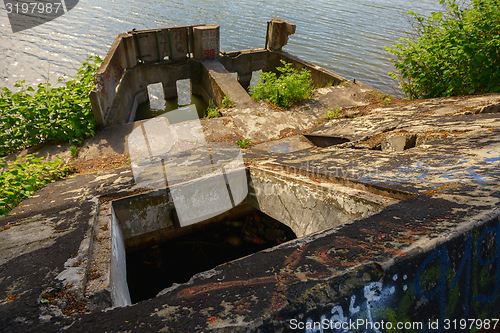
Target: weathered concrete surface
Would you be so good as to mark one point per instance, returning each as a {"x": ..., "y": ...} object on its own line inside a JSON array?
[
  {"x": 139, "y": 58},
  {"x": 219, "y": 82},
  {"x": 260, "y": 123},
  {"x": 287, "y": 145},
  {"x": 432, "y": 256},
  {"x": 278, "y": 31},
  {"x": 161, "y": 46}
]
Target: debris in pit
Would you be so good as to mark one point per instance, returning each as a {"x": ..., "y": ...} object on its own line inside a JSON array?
[{"x": 175, "y": 261}]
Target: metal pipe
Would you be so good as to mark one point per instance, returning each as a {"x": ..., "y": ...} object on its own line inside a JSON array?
[
  {"x": 158, "y": 45},
  {"x": 171, "y": 47},
  {"x": 267, "y": 34}
]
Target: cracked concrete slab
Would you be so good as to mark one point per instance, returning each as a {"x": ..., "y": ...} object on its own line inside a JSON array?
[{"x": 432, "y": 234}]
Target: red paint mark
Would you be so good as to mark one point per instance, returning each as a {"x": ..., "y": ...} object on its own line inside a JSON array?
[
  {"x": 294, "y": 258},
  {"x": 449, "y": 217},
  {"x": 212, "y": 320},
  {"x": 372, "y": 248},
  {"x": 276, "y": 304},
  {"x": 410, "y": 233},
  {"x": 230, "y": 284},
  {"x": 399, "y": 253},
  {"x": 378, "y": 235},
  {"x": 209, "y": 54},
  {"x": 440, "y": 219}
]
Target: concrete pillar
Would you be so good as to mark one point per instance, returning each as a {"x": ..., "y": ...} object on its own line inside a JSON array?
[
  {"x": 196, "y": 78},
  {"x": 244, "y": 79},
  {"x": 179, "y": 43},
  {"x": 206, "y": 42},
  {"x": 278, "y": 32},
  {"x": 169, "y": 89}
]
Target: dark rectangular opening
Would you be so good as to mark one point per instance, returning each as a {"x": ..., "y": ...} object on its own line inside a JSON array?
[{"x": 152, "y": 269}]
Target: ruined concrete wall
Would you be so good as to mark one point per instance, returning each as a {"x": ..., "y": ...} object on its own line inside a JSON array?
[
  {"x": 306, "y": 206},
  {"x": 137, "y": 215},
  {"x": 244, "y": 63},
  {"x": 139, "y": 58},
  {"x": 129, "y": 51},
  {"x": 217, "y": 83},
  {"x": 133, "y": 87},
  {"x": 278, "y": 31},
  {"x": 440, "y": 286},
  {"x": 320, "y": 76}
]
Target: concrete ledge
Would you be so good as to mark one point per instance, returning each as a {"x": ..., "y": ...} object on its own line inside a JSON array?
[{"x": 222, "y": 83}]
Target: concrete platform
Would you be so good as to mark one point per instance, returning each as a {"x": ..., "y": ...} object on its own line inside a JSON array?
[{"x": 427, "y": 253}]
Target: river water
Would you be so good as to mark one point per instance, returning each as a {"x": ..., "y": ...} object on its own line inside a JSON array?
[{"x": 344, "y": 36}]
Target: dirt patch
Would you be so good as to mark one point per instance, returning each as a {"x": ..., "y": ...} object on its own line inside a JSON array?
[
  {"x": 287, "y": 132},
  {"x": 67, "y": 301},
  {"x": 98, "y": 164}
]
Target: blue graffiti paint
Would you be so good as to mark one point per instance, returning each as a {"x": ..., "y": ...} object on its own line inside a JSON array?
[
  {"x": 401, "y": 176},
  {"x": 482, "y": 262},
  {"x": 283, "y": 147},
  {"x": 436, "y": 166},
  {"x": 470, "y": 173},
  {"x": 465, "y": 264},
  {"x": 492, "y": 159},
  {"x": 440, "y": 289},
  {"x": 440, "y": 162}
]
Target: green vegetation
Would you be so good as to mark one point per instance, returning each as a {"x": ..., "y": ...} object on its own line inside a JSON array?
[
  {"x": 212, "y": 110},
  {"x": 384, "y": 99},
  {"x": 32, "y": 116},
  {"x": 286, "y": 89},
  {"x": 73, "y": 151},
  {"x": 243, "y": 143},
  {"x": 453, "y": 53},
  {"x": 333, "y": 113},
  {"x": 227, "y": 102},
  {"x": 20, "y": 180}
]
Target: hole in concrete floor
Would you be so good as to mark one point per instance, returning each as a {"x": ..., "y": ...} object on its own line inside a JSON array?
[
  {"x": 399, "y": 142},
  {"x": 160, "y": 106},
  {"x": 148, "y": 225},
  {"x": 324, "y": 141},
  {"x": 155, "y": 268}
]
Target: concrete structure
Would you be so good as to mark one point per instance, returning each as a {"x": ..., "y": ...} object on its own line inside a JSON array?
[
  {"x": 429, "y": 256},
  {"x": 139, "y": 58},
  {"x": 277, "y": 34},
  {"x": 398, "y": 219}
]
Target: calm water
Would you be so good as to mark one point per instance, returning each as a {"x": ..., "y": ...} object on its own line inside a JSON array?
[{"x": 345, "y": 37}]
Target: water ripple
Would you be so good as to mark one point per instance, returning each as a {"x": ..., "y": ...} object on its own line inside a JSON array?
[{"x": 346, "y": 37}]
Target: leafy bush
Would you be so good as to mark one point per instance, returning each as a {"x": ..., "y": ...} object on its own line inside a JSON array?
[
  {"x": 290, "y": 87},
  {"x": 212, "y": 110},
  {"x": 453, "y": 53},
  {"x": 32, "y": 116},
  {"x": 20, "y": 180},
  {"x": 227, "y": 102}
]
